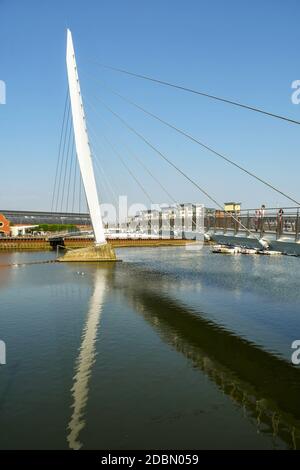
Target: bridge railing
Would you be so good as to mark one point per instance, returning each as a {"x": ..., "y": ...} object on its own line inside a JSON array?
[{"x": 279, "y": 222}]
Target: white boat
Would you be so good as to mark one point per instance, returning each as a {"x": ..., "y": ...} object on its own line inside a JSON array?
[
  {"x": 226, "y": 250},
  {"x": 269, "y": 252},
  {"x": 238, "y": 250},
  {"x": 249, "y": 251}
]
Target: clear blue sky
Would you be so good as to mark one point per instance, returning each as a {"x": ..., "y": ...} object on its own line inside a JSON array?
[{"x": 242, "y": 50}]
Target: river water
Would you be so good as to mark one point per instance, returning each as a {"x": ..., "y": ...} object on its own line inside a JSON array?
[{"x": 170, "y": 348}]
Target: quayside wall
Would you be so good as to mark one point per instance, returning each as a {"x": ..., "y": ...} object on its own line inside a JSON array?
[{"x": 43, "y": 244}]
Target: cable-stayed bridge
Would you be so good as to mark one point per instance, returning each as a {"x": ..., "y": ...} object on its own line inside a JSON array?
[
  {"x": 81, "y": 176},
  {"x": 279, "y": 226},
  {"x": 281, "y": 229}
]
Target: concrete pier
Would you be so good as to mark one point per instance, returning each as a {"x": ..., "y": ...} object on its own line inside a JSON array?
[{"x": 95, "y": 253}]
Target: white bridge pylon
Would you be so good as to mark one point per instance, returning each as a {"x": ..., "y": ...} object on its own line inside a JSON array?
[{"x": 83, "y": 149}]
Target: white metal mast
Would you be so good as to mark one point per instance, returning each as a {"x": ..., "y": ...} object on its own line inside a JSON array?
[{"x": 82, "y": 143}]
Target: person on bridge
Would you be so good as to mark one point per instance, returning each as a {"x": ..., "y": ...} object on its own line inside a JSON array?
[
  {"x": 256, "y": 220},
  {"x": 262, "y": 217},
  {"x": 280, "y": 221}
]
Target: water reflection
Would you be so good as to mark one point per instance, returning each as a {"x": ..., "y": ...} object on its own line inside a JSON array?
[
  {"x": 86, "y": 358},
  {"x": 265, "y": 386},
  {"x": 6, "y": 273}
]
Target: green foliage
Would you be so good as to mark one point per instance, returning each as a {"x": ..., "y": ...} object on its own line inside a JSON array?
[{"x": 56, "y": 228}]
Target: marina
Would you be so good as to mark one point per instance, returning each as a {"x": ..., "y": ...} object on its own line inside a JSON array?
[{"x": 149, "y": 232}]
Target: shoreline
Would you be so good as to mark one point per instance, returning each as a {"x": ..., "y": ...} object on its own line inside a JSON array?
[{"x": 43, "y": 244}]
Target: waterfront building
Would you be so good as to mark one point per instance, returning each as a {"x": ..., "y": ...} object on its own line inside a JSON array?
[{"x": 4, "y": 226}]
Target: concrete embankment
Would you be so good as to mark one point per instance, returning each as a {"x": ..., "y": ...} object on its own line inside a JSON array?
[{"x": 43, "y": 244}]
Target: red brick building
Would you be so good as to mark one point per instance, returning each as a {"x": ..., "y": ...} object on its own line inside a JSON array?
[{"x": 4, "y": 225}]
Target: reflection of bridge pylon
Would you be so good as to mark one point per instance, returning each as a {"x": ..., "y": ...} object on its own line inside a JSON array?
[
  {"x": 101, "y": 251},
  {"x": 85, "y": 360}
]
